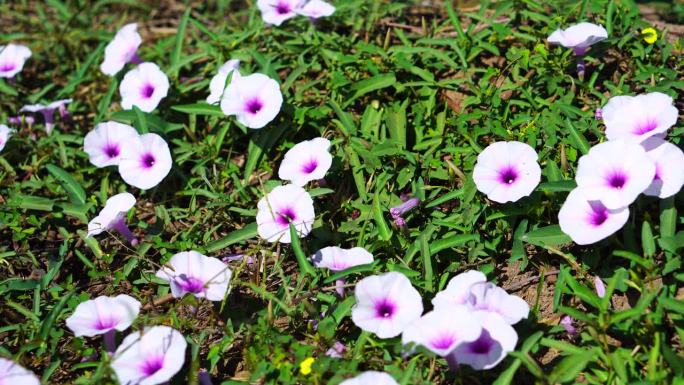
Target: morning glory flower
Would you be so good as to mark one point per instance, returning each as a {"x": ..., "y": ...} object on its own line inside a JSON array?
[
  {"x": 121, "y": 50},
  {"x": 615, "y": 173},
  {"x": 386, "y": 304},
  {"x": 11, "y": 373},
  {"x": 4, "y": 136},
  {"x": 104, "y": 143},
  {"x": 306, "y": 161},
  {"x": 443, "y": 329},
  {"x": 282, "y": 206},
  {"x": 144, "y": 87},
  {"x": 457, "y": 290},
  {"x": 145, "y": 160},
  {"x": 579, "y": 37},
  {"x": 150, "y": 358},
  {"x": 587, "y": 220},
  {"x": 314, "y": 9},
  {"x": 48, "y": 111},
  {"x": 254, "y": 99},
  {"x": 669, "y": 163},
  {"x": 488, "y": 297},
  {"x": 113, "y": 217},
  {"x": 639, "y": 117},
  {"x": 498, "y": 338},
  {"x": 196, "y": 274},
  {"x": 507, "y": 171},
  {"x": 277, "y": 11},
  {"x": 371, "y": 378},
  {"x": 103, "y": 314},
  {"x": 12, "y": 59},
  {"x": 337, "y": 259},
  {"x": 218, "y": 83}
]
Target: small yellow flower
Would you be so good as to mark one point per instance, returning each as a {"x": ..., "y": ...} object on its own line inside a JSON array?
[
  {"x": 305, "y": 366},
  {"x": 650, "y": 35}
]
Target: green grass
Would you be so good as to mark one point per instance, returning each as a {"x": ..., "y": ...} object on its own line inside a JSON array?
[{"x": 409, "y": 96}]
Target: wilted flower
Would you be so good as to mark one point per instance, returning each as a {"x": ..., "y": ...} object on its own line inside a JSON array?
[
  {"x": 650, "y": 35},
  {"x": 498, "y": 338},
  {"x": 599, "y": 286},
  {"x": 567, "y": 323},
  {"x": 254, "y": 99},
  {"x": 443, "y": 329},
  {"x": 588, "y": 221},
  {"x": 336, "y": 258},
  {"x": 218, "y": 83},
  {"x": 196, "y": 274},
  {"x": 103, "y": 314},
  {"x": 386, "y": 304},
  {"x": 306, "y": 161},
  {"x": 145, "y": 160},
  {"x": 144, "y": 87},
  {"x": 614, "y": 173},
  {"x": 488, "y": 297},
  {"x": 371, "y": 378},
  {"x": 457, "y": 290},
  {"x": 639, "y": 117},
  {"x": 12, "y": 59},
  {"x": 337, "y": 350},
  {"x": 11, "y": 373},
  {"x": 121, "y": 50},
  {"x": 579, "y": 37},
  {"x": 282, "y": 206},
  {"x": 316, "y": 8},
  {"x": 277, "y": 11},
  {"x": 151, "y": 358},
  {"x": 669, "y": 161},
  {"x": 48, "y": 111},
  {"x": 507, "y": 171},
  {"x": 4, "y": 136},
  {"x": 113, "y": 217},
  {"x": 104, "y": 143}
]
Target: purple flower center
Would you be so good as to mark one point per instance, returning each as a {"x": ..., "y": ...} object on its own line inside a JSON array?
[
  {"x": 282, "y": 8},
  {"x": 385, "y": 308},
  {"x": 106, "y": 323},
  {"x": 645, "y": 127},
  {"x": 483, "y": 345},
  {"x": 147, "y": 91},
  {"x": 285, "y": 216},
  {"x": 442, "y": 342},
  {"x": 599, "y": 213},
  {"x": 6, "y": 67},
  {"x": 508, "y": 175},
  {"x": 111, "y": 150},
  {"x": 310, "y": 166},
  {"x": 148, "y": 160},
  {"x": 152, "y": 365},
  {"x": 190, "y": 284},
  {"x": 617, "y": 180},
  {"x": 253, "y": 106}
]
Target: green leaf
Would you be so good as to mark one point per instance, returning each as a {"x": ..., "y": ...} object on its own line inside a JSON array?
[
  {"x": 450, "y": 242},
  {"x": 199, "y": 109},
  {"x": 76, "y": 193},
  {"x": 7, "y": 89},
  {"x": 647, "y": 241},
  {"x": 374, "y": 83},
  {"x": 29, "y": 202},
  {"x": 570, "y": 367},
  {"x": 384, "y": 232},
  {"x": 579, "y": 140},
  {"x": 247, "y": 232},
  {"x": 304, "y": 264},
  {"x": 178, "y": 46},
  {"x": 547, "y": 236}
]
